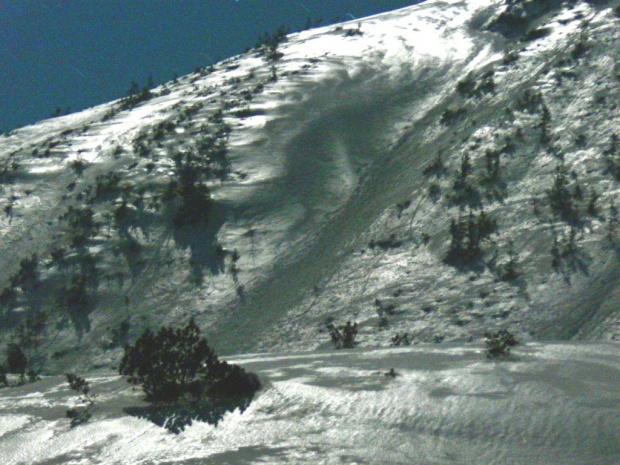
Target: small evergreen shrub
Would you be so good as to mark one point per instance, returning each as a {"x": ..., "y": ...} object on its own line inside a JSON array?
[
  {"x": 434, "y": 191},
  {"x": 612, "y": 223},
  {"x": 28, "y": 276},
  {"x": 400, "y": 340},
  {"x": 343, "y": 337},
  {"x": 498, "y": 344},
  {"x": 510, "y": 271},
  {"x": 78, "y": 166},
  {"x": 74, "y": 297},
  {"x": 79, "y": 415},
  {"x": 3, "y": 379},
  {"x": 592, "y": 207},
  {"x": 16, "y": 361},
  {"x": 563, "y": 200},
  {"x": 510, "y": 57},
  {"x": 545, "y": 125}
]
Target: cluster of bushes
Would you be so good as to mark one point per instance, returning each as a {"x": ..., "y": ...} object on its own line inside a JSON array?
[
  {"x": 343, "y": 337},
  {"x": 466, "y": 237},
  {"x": 437, "y": 168},
  {"x": 137, "y": 95},
  {"x": 269, "y": 43},
  {"x": 451, "y": 115},
  {"x": 465, "y": 189},
  {"x": 107, "y": 185},
  {"x": 530, "y": 101},
  {"x": 8, "y": 172},
  {"x": 352, "y": 32},
  {"x": 464, "y": 192},
  {"x": 81, "y": 223},
  {"x": 491, "y": 179},
  {"x": 391, "y": 242},
  {"x": 567, "y": 199},
  {"x": 564, "y": 250},
  {"x": 400, "y": 340}
]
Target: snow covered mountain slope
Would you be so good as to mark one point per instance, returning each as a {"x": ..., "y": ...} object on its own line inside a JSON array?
[
  {"x": 553, "y": 404},
  {"x": 316, "y": 179}
]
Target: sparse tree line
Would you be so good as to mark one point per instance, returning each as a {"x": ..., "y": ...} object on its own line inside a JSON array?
[{"x": 567, "y": 200}]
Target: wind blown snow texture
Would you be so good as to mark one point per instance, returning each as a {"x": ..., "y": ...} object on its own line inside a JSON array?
[
  {"x": 553, "y": 404},
  {"x": 328, "y": 207}
]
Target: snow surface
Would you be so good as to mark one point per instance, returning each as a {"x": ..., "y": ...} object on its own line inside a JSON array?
[
  {"x": 447, "y": 404},
  {"x": 328, "y": 207}
]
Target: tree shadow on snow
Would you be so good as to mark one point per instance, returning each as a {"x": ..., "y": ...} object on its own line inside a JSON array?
[
  {"x": 177, "y": 416},
  {"x": 206, "y": 253}
]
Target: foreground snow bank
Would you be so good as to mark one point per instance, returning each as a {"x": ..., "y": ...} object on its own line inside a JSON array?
[{"x": 551, "y": 404}]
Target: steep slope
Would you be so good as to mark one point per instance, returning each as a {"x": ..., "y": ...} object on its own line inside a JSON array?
[{"x": 299, "y": 183}]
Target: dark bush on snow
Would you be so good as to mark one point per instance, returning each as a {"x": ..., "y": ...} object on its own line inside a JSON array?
[
  {"x": 343, "y": 337},
  {"x": 235, "y": 382},
  {"x": 467, "y": 237},
  {"x": 498, "y": 344},
  {"x": 16, "y": 361},
  {"x": 82, "y": 414},
  {"x": 173, "y": 363},
  {"x": 3, "y": 379}
]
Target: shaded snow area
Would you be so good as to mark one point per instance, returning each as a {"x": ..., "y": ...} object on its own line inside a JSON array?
[{"x": 550, "y": 404}]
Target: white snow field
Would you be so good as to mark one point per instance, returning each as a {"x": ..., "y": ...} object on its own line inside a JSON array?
[
  {"x": 328, "y": 181},
  {"x": 552, "y": 404}
]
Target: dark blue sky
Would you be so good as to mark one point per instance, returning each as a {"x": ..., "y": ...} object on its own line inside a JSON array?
[{"x": 78, "y": 53}]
